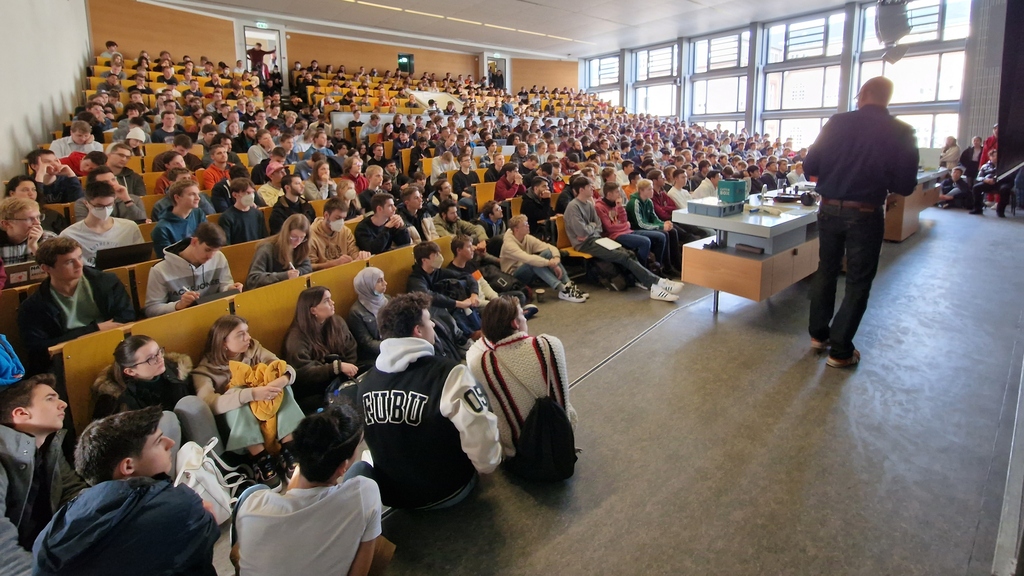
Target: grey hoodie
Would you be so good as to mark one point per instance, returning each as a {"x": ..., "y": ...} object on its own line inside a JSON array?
[{"x": 169, "y": 279}]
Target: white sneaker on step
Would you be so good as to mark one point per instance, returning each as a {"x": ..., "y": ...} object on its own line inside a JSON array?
[
  {"x": 671, "y": 286},
  {"x": 659, "y": 293}
]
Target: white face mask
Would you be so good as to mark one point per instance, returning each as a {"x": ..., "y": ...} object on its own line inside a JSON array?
[
  {"x": 102, "y": 213},
  {"x": 337, "y": 225},
  {"x": 248, "y": 200},
  {"x": 350, "y": 194},
  {"x": 437, "y": 260}
]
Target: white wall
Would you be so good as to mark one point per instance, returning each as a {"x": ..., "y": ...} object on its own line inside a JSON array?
[{"x": 46, "y": 48}]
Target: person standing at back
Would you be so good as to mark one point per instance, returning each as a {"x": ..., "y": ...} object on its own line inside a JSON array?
[{"x": 859, "y": 158}]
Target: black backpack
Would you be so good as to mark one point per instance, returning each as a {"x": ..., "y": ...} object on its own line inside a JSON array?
[{"x": 546, "y": 451}]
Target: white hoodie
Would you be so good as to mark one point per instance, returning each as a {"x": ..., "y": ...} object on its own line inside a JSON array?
[
  {"x": 169, "y": 279},
  {"x": 478, "y": 429}
]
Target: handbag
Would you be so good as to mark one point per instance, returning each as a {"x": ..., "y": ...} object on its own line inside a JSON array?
[{"x": 211, "y": 478}]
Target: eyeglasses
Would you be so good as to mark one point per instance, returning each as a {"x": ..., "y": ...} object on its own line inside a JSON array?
[
  {"x": 33, "y": 220},
  {"x": 152, "y": 360},
  {"x": 297, "y": 239}
]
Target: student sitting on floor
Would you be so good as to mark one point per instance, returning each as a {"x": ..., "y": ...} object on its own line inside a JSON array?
[
  {"x": 516, "y": 369},
  {"x": 100, "y": 230},
  {"x": 74, "y": 300},
  {"x": 345, "y": 516},
  {"x": 423, "y": 458},
  {"x": 331, "y": 243},
  {"x": 319, "y": 345},
  {"x": 283, "y": 256},
  {"x": 35, "y": 479},
  {"x": 191, "y": 269},
  {"x": 133, "y": 519},
  {"x": 181, "y": 222},
  {"x": 227, "y": 342}
]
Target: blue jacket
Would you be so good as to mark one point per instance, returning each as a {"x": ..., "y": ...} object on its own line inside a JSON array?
[
  {"x": 130, "y": 527},
  {"x": 173, "y": 228}
]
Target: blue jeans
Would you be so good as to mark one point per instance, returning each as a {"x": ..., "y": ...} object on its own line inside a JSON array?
[
  {"x": 467, "y": 207},
  {"x": 526, "y": 273},
  {"x": 659, "y": 244},
  {"x": 637, "y": 243},
  {"x": 364, "y": 469}
]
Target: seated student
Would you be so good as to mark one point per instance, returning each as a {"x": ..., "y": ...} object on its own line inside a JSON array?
[
  {"x": 417, "y": 219},
  {"x": 526, "y": 257},
  {"x": 127, "y": 206},
  {"x": 182, "y": 146},
  {"x": 510, "y": 183},
  {"x": 273, "y": 189},
  {"x": 987, "y": 183},
  {"x": 80, "y": 140},
  {"x": 537, "y": 208},
  {"x": 21, "y": 230},
  {"x": 217, "y": 170},
  {"x": 424, "y": 459},
  {"x": 383, "y": 230},
  {"x": 465, "y": 263},
  {"x": 583, "y": 227},
  {"x": 319, "y": 345},
  {"x": 181, "y": 222},
  {"x": 345, "y": 516},
  {"x": 464, "y": 186},
  {"x": 23, "y": 186},
  {"x": 229, "y": 341},
  {"x": 36, "y": 479},
  {"x": 516, "y": 369},
  {"x": 192, "y": 268},
  {"x": 492, "y": 219},
  {"x": 64, "y": 307},
  {"x": 133, "y": 518},
  {"x": 352, "y": 170},
  {"x": 166, "y": 203},
  {"x": 374, "y": 180},
  {"x": 142, "y": 375},
  {"x": 429, "y": 276},
  {"x": 956, "y": 192},
  {"x": 290, "y": 203},
  {"x": 331, "y": 242},
  {"x": 100, "y": 230},
  {"x": 118, "y": 155},
  {"x": 448, "y": 223},
  {"x": 615, "y": 224},
  {"x": 369, "y": 285},
  {"x": 282, "y": 256},
  {"x": 55, "y": 182},
  {"x": 319, "y": 185},
  {"x": 644, "y": 222},
  {"x": 242, "y": 221},
  {"x": 221, "y": 196}
]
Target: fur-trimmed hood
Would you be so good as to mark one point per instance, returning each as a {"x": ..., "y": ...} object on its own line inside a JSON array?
[{"x": 106, "y": 385}]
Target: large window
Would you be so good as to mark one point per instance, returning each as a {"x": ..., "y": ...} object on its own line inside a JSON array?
[
  {"x": 659, "y": 100},
  {"x": 821, "y": 36},
  {"x": 801, "y": 131},
  {"x": 730, "y": 51},
  {"x": 932, "y": 129},
  {"x": 610, "y": 96},
  {"x": 604, "y": 71},
  {"x": 656, "y": 63},
  {"x": 930, "y": 20},
  {"x": 802, "y": 88},
  {"x": 927, "y": 78},
  {"x": 720, "y": 95}
]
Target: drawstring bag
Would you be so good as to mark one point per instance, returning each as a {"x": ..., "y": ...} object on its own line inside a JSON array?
[
  {"x": 11, "y": 369},
  {"x": 211, "y": 478}
]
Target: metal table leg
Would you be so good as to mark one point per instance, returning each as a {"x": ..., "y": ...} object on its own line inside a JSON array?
[{"x": 720, "y": 239}]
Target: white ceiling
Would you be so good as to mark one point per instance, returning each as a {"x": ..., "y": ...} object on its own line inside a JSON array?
[{"x": 566, "y": 29}]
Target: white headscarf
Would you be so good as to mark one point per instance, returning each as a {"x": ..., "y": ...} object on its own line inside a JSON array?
[{"x": 364, "y": 284}]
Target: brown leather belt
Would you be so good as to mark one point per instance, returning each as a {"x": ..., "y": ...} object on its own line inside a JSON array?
[{"x": 862, "y": 206}]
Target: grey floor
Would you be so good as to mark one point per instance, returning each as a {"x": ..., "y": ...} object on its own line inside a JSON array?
[{"x": 723, "y": 445}]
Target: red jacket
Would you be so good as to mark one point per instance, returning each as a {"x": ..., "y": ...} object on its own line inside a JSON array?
[
  {"x": 991, "y": 143},
  {"x": 359, "y": 181},
  {"x": 663, "y": 205}
]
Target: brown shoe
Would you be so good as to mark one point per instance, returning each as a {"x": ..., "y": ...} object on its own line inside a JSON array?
[
  {"x": 819, "y": 344},
  {"x": 844, "y": 363}
]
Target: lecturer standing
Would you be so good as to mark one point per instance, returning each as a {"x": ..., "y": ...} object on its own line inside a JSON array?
[{"x": 859, "y": 158}]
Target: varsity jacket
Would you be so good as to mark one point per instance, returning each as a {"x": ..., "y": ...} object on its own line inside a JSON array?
[
  {"x": 428, "y": 425},
  {"x": 169, "y": 279}
]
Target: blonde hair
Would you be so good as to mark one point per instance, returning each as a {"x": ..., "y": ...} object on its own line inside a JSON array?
[
  {"x": 517, "y": 220},
  {"x": 644, "y": 183},
  {"x": 11, "y": 207},
  {"x": 374, "y": 170},
  {"x": 282, "y": 244}
]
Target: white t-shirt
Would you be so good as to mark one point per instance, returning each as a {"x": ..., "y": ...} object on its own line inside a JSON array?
[
  {"x": 308, "y": 531},
  {"x": 680, "y": 196},
  {"x": 122, "y": 233}
]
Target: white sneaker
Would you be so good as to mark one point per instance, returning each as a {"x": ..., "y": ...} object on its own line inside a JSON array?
[
  {"x": 659, "y": 293},
  {"x": 671, "y": 286},
  {"x": 576, "y": 288},
  {"x": 570, "y": 295}
]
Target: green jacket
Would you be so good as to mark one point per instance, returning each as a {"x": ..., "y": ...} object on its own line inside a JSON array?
[{"x": 641, "y": 214}]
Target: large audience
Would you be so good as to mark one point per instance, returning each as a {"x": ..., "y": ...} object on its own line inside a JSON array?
[{"x": 437, "y": 384}]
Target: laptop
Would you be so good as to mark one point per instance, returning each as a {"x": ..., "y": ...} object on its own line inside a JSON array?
[
  {"x": 24, "y": 274},
  {"x": 123, "y": 255}
]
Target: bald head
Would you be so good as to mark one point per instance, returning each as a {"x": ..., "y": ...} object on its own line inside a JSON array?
[{"x": 877, "y": 91}]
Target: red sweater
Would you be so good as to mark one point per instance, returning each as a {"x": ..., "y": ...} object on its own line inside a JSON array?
[
  {"x": 663, "y": 205},
  {"x": 613, "y": 220},
  {"x": 359, "y": 181},
  {"x": 504, "y": 191}
]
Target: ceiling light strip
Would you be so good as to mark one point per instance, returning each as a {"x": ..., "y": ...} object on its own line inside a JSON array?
[
  {"x": 500, "y": 27},
  {"x": 559, "y": 37},
  {"x": 461, "y": 20},
  {"x": 396, "y": 9},
  {"x": 533, "y": 33},
  {"x": 408, "y": 11}
]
